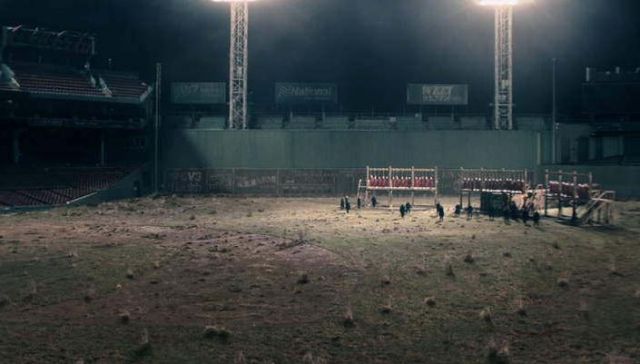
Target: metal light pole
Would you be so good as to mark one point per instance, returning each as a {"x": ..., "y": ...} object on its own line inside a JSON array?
[
  {"x": 503, "y": 88},
  {"x": 238, "y": 63},
  {"x": 503, "y": 83}
]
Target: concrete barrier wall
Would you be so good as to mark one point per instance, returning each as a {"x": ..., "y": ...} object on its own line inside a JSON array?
[{"x": 318, "y": 149}]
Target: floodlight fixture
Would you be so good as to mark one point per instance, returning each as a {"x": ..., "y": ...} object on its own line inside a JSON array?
[
  {"x": 503, "y": 87},
  {"x": 238, "y": 62}
]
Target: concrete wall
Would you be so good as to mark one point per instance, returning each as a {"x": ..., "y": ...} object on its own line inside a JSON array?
[
  {"x": 625, "y": 180},
  {"x": 289, "y": 149}
]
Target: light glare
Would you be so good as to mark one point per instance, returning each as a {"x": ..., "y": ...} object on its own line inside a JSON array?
[{"x": 501, "y": 2}]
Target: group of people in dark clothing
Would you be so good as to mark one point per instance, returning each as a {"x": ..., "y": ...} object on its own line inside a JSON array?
[{"x": 510, "y": 210}]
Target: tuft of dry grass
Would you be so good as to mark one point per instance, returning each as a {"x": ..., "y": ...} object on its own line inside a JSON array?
[
  {"x": 303, "y": 279},
  {"x": 521, "y": 309},
  {"x": 216, "y": 332},
  {"x": 387, "y": 307},
  {"x": 239, "y": 359},
  {"x": 144, "y": 345},
  {"x": 430, "y": 301},
  {"x": 347, "y": 320},
  {"x": 563, "y": 282},
  {"x": 89, "y": 295},
  {"x": 386, "y": 280},
  {"x": 618, "y": 359},
  {"x": 309, "y": 358},
  {"x": 4, "y": 300},
  {"x": 124, "y": 316},
  {"x": 485, "y": 315},
  {"x": 498, "y": 353},
  {"x": 584, "y": 309},
  {"x": 448, "y": 268},
  {"x": 469, "y": 259},
  {"x": 613, "y": 268}
]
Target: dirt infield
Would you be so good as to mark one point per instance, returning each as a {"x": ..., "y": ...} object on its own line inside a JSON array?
[{"x": 259, "y": 280}]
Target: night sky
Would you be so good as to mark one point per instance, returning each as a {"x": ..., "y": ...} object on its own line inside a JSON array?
[{"x": 371, "y": 48}]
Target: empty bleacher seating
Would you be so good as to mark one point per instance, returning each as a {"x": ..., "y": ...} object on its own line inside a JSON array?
[
  {"x": 56, "y": 187},
  {"x": 124, "y": 85},
  {"x": 39, "y": 79}
]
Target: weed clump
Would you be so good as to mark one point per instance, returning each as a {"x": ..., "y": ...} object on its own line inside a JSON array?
[
  {"x": 144, "y": 345},
  {"x": 485, "y": 315},
  {"x": 521, "y": 309},
  {"x": 563, "y": 282},
  {"x": 430, "y": 301},
  {"x": 124, "y": 316},
  {"x": 448, "y": 268},
  {"x": 303, "y": 279},
  {"x": 217, "y": 332},
  {"x": 4, "y": 300},
  {"x": 498, "y": 353},
  {"x": 469, "y": 259},
  {"x": 347, "y": 320}
]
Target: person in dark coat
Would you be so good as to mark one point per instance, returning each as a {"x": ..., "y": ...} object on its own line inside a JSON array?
[
  {"x": 506, "y": 214},
  {"x": 407, "y": 208},
  {"x": 440, "y": 212},
  {"x": 347, "y": 204},
  {"x": 374, "y": 201},
  {"x": 515, "y": 213},
  {"x": 536, "y": 218},
  {"x": 403, "y": 211},
  {"x": 458, "y": 210},
  {"x": 469, "y": 212},
  {"x": 359, "y": 202},
  {"x": 525, "y": 215},
  {"x": 342, "y": 204}
]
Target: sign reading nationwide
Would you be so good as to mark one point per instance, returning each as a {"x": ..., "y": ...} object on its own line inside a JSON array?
[
  {"x": 421, "y": 94},
  {"x": 306, "y": 93},
  {"x": 203, "y": 93}
]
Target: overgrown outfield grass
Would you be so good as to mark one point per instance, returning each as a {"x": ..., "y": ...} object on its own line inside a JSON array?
[{"x": 298, "y": 281}]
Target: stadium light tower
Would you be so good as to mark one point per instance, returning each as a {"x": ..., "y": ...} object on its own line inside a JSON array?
[
  {"x": 238, "y": 62},
  {"x": 503, "y": 88}
]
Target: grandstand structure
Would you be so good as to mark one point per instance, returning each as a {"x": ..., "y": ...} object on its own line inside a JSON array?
[
  {"x": 56, "y": 110},
  {"x": 400, "y": 180},
  {"x": 588, "y": 203}
]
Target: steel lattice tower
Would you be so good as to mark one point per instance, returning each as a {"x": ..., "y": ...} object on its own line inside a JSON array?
[
  {"x": 238, "y": 63},
  {"x": 503, "y": 101}
]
